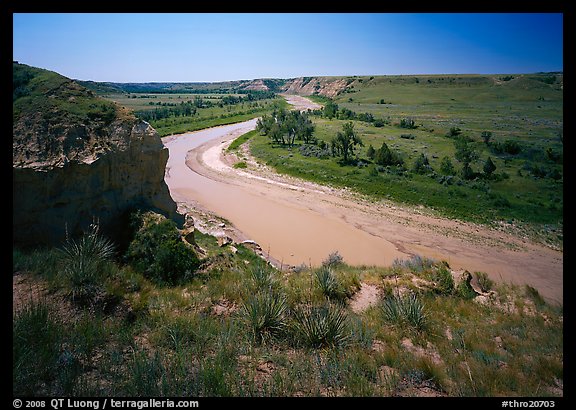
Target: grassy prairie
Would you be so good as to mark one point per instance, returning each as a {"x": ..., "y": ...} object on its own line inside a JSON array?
[
  {"x": 241, "y": 328},
  {"x": 528, "y": 188}
]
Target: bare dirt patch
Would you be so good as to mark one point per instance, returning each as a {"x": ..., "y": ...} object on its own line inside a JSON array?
[{"x": 367, "y": 296}]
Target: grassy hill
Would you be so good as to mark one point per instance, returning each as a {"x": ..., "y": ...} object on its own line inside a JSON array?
[
  {"x": 32, "y": 85},
  {"x": 523, "y": 115}
]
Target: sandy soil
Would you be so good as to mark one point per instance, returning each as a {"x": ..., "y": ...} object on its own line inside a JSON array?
[{"x": 301, "y": 222}]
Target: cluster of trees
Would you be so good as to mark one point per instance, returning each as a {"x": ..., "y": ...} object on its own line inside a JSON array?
[
  {"x": 185, "y": 108},
  {"x": 331, "y": 110},
  {"x": 285, "y": 127},
  {"x": 251, "y": 95},
  {"x": 189, "y": 108}
]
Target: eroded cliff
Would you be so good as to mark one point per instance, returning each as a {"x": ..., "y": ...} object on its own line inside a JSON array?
[{"x": 79, "y": 159}]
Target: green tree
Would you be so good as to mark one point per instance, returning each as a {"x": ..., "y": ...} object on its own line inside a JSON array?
[
  {"x": 330, "y": 110},
  {"x": 446, "y": 167},
  {"x": 422, "y": 165},
  {"x": 385, "y": 156},
  {"x": 465, "y": 153},
  {"x": 486, "y": 136},
  {"x": 304, "y": 128},
  {"x": 345, "y": 142},
  {"x": 371, "y": 152},
  {"x": 467, "y": 172},
  {"x": 489, "y": 167}
]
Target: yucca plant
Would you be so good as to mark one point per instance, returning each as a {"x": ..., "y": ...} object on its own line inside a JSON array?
[
  {"x": 407, "y": 309},
  {"x": 322, "y": 326},
  {"x": 265, "y": 313},
  {"x": 262, "y": 276},
  {"x": 83, "y": 262},
  {"x": 328, "y": 283}
]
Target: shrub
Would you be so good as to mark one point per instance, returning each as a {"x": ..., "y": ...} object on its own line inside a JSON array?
[
  {"x": 416, "y": 263},
  {"x": 446, "y": 166},
  {"x": 309, "y": 150},
  {"x": 378, "y": 122},
  {"x": 371, "y": 152},
  {"x": 321, "y": 326},
  {"x": 407, "y": 123},
  {"x": 35, "y": 348},
  {"x": 534, "y": 295},
  {"x": 158, "y": 252},
  {"x": 333, "y": 259},
  {"x": 422, "y": 165},
  {"x": 511, "y": 147},
  {"x": 265, "y": 314},
  {"x": 464, "y": 288},
  {"x": 444, "y": 281},
  {"x": 454, "y": 132},
  {"x": 484, "y": 281}
]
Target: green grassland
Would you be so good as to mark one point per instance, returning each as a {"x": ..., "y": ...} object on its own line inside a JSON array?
[
  {"x": 48, "y": 96},
  {"x": 238, "y": 327},
  {"x": 522, "y": 109}
]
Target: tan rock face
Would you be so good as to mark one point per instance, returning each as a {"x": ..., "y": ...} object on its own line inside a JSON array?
[
  {"x": 327, "y": 86},
  {"x": 65, "y": 178}
]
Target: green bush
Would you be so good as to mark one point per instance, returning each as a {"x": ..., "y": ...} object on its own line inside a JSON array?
[
  {"x": 464, "y": 288},
  {"x": 158, "y": 252},
  {"x": 327, "y": 282},
  {"x": 444, "y": 281},
  {"x": 484, "y": 281}
]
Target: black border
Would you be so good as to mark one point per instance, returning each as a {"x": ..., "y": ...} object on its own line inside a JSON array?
[{"x": 487, "y": 6}]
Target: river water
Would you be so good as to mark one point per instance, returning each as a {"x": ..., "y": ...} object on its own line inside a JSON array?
[{"x": 290, "y": 232}]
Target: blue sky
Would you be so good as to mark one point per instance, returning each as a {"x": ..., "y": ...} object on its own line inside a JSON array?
[{"x": 218, "y": 47}]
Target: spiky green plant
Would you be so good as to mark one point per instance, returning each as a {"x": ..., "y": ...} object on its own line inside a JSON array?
[
  {"x": 83, "y": 263},
  {"x": 265, "y": 313},
  {"x": 322, "y": 326},
  {"x": 262, "y": 276},
  {"x": 404, "y": 310},
  {"x": 328, "y": 283}
]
